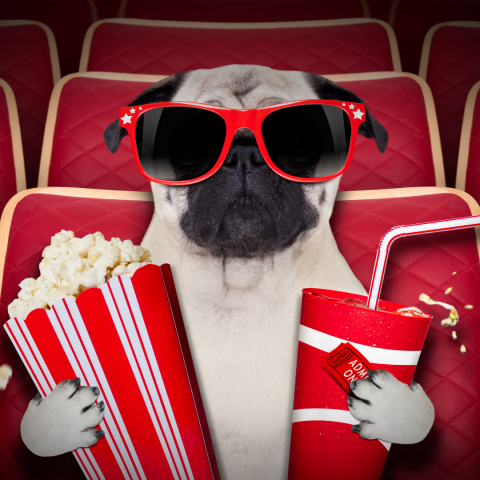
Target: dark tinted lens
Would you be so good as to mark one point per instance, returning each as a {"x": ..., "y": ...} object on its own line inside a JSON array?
[
  {"x": 308, "y": 141},
  {"x": 179, "y": 143}
]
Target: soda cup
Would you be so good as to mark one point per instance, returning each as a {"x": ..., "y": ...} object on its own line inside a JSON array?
[{"x": 322, "y": 443}]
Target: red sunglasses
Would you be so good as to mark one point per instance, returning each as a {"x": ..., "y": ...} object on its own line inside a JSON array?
[{"x": 180, "y": 143}]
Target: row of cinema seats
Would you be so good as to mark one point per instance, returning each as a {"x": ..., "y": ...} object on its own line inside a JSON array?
[
  {"x": 77, "y": 112},
  {"x": 410, "y": 19},
  {"x": 62, "y": 120}
]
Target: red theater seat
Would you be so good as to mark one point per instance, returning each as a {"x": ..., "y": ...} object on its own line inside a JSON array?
[
  {"x": 403, "y": 104},
  {"x": 163, "y": 47},
  {"x": 451, "y": 66},
  {"x": 68, "y": 19},
  {"x": 468, "y": 172},
  {"x": 243, "y": 10},
  {"x": 12, "y": 168},
  {"x": 411, "y": 20},
  {"x": 421, "y": 264},
  {"x": 29, "y": 64},
  {"x": 82, "y": 105},
  {"x": 74, "y": 153}
]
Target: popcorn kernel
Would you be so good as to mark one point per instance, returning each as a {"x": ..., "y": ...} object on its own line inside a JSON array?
[
  {"x": 5, "y": 374},
  {"x": 70, "y": 265}
]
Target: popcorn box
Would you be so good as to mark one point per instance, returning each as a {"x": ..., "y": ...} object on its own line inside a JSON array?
[
  {"x": 322, "y": 443},
  {"x": 127, "y": 338}
]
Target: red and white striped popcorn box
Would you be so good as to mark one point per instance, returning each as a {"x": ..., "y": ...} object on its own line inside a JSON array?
[
  {"x": 322, "y": 443},
  {"x": 127, "y": 338}
]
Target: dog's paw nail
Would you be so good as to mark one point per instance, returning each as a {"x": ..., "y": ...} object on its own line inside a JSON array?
[
  {"x": 356, "y": 428},
  {"x": 101, "y": 406},
  {"x": 99, "y": 433},
  {"x": 96, "y": 391},
  {"x": 349, "y": 401},
  {"x": 353, "y": 385},
  {"x": 370, "y": 373},
  {"x": 76, "y": 382},
  {"x": 37, "y": 398}
]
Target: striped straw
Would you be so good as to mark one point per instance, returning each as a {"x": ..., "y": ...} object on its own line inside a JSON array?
[{"x": 404, "y": 231}]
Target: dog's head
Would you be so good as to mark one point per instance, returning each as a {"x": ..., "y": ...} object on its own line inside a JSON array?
[{"x": 246, "y": 209}]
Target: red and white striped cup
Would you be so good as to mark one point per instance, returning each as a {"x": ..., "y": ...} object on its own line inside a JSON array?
[
  {"x": 322, "y": 443},
  {"x": 128, "y": 339}
]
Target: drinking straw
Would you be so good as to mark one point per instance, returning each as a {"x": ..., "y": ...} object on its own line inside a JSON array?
[{"x": 404, "y": 231}]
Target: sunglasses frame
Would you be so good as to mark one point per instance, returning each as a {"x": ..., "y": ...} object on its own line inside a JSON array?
[{"x": 236, "y": 119}]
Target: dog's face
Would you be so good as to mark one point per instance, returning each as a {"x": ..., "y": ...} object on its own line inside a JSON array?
[{"x": 246, "y": 209}]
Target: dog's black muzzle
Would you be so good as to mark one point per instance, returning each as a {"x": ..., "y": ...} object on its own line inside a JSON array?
[{"x": 246, "y": 209}]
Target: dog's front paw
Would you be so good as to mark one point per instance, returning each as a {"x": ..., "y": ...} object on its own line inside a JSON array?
[
  {"x": 389, "y": 409},
  {"x": 63, "y": 421}
]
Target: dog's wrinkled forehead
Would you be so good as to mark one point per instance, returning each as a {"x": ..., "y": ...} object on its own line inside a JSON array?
[{"x": 244, "y": 86}]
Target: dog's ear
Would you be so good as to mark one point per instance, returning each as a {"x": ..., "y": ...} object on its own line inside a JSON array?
[
  {"x": 162, "y": 91},
  {"x": 328, "y": 90}
]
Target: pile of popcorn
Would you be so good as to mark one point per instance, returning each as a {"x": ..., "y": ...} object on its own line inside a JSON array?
[{"x": 70, "y": 265}]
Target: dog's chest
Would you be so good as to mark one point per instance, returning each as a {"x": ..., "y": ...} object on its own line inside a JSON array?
[{"x": 244, "y": 344}]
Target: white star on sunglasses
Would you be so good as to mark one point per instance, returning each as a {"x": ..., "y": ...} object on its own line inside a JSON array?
[
  {"x": 351, "y": 106},
  {"x": 132, "y": 110},
  {"x": 358, "y": 114},
  {"x": 126, "y": 119},
  {"x": 343, "y": 104}
]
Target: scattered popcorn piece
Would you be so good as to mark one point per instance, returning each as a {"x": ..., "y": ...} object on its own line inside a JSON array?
[
  {"x": 70, "y": 265},
  {"x": 454, "y": 335},
  {"x": 469, "y": 307},
  {"x": 463, "y": 349},
  {"x": 5, "y": 374},
  {"x": 452, "y": 318},
  {"x": 448, "y": 290}
]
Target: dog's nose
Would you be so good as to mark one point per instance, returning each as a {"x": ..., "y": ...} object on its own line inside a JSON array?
[{"x": 244, "y": 151}]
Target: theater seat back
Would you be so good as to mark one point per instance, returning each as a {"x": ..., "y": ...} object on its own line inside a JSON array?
[
  {"x": 450, "y": 65},
  {"x": 468, "y": 172},
  {"x": 74, "y": 153},
  {"x": 12, "y": 169},
  {"x": 29, "y": 64},
  {"x": 164, "y": 48},
  {"x": 421, "y": 264}
]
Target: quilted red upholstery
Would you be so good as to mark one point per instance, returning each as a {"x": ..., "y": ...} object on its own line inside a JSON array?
[
  {"x": 359, "y": 47},
  {"x": 472, "y": 179},
  {"x": 425, "y": 264},
  {"x": 451, "y": 75},
  {"x": 88, "y": 105},
  {"x": 80, "y": 157},
  {"x": 26, "y": 66},
  {"x": 8, "y": 180},
  {"x": 36, "y": 219},
  {"x": 416, "y": 264},
  {"x": 243, "y": 10},
  {"x": 413, "y": 19},
  {"x": 398, "y": 104},
  {"x": 68, "y": 19}
]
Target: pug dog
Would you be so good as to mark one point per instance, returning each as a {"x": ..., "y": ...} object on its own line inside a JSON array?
[{"x": 242, "y": 244}]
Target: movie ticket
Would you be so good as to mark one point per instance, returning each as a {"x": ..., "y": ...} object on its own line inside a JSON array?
[{"x": 346, "y": 364}]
